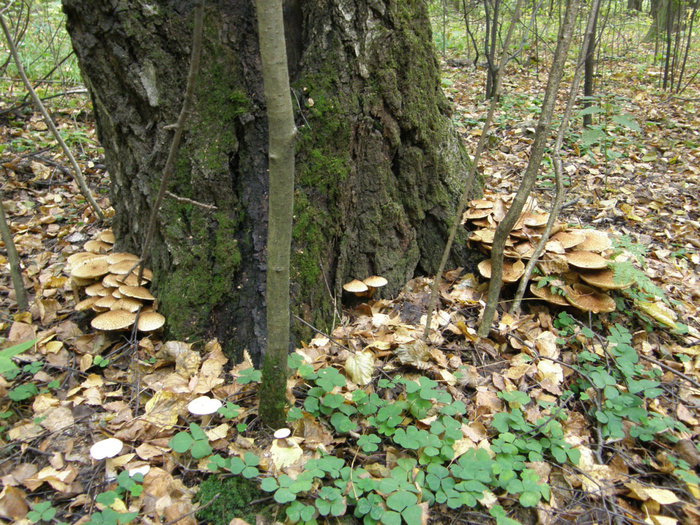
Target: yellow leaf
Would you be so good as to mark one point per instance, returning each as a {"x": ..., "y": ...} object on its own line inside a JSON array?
[
  {"x": 285, "y": 452},
  {"x": 359, "y": 367},
  {"x": 164, "y": 408},
  {"x": 659, "y": 311},
  {"x": 219, "y": 432},
  {"x": 644, "y": 492},
  {"x": 663, "y": 520}
]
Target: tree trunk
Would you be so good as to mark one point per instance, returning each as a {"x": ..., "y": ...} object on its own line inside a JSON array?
[{"x": 379, "y": 166}]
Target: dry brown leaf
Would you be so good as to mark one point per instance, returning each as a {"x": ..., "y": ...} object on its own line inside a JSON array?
[
  {"x": 13, "y": 506},
  {"x": 164, "y": 409}
]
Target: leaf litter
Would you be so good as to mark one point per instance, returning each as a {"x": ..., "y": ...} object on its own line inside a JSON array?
[{"x": 78, "y": 386}]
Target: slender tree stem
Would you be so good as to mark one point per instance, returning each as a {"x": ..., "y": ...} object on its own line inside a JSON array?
[
  {"x": 13, "y": 257},
  {"x": 77, "y": 174},
  {"x": 281, "y": 133},
  {"x": 472, "y": 172},
  {"x": 556, "y": 157},
  {"x": 537, "y": 151}
]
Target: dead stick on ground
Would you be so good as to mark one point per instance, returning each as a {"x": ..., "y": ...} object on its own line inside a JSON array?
[
  {"x": 15, "y": 270},
  {"x": 472, "y": 172},
  {"x": 179, "y": 128},
  {"x": 77, "y": 174}
]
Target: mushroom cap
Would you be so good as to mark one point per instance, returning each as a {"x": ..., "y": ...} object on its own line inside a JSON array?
[
  {"x": 106, "y": 236},
  {"x": 586, "y": 260},
  {"x": 136, "y": 292},
  {"x": 123, "y": 267},
  {"x": 375, "y": 281},
  {"x": 603, "y": 279},
  {"x": 96, "y": 246},
  {"x": 481, "y": 204},
  {"x": 97, "y": 289},
  {"x": 570, "y": 238},
  {"x": 546, "y": 294},
  {"x": 90, "y": 268},
  {"x": 126, "y": 303},
  {"x": 107, "y": 448},
  {"x": 113, "y": 320},
  {"x": 203, "y": 406},
  {"x": 150, "y": 321},
  {"x": 78, "y": 258},
  {"x": 86, "y": 303},
  {"x": 114, "y": 258},
  {"x": 533, "y": 219},
  {"x": 282, "y": 433},
  {"x": 355, "y": 286},
  {"x": 596, "y": 241},
  {"x": 105, "y": 302},
  {"x": 113, "y": 280},
  {"x": 483, "y": 235},
  {"x": 588, "y": 299},
  {"x": 512, "y": 271},
  {"x": 476, "y": 213}
]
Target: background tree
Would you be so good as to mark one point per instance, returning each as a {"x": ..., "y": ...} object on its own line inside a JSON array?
[{"x": 379, "y": 166}]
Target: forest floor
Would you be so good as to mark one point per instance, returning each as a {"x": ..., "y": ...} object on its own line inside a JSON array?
[{"x": 637, "y": 177}]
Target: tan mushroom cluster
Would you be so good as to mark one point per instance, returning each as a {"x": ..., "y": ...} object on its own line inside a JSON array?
[
  {"x": 110, "y": 282},
  {"x": 578, "y": 256},
  {"x": 366, "y": 287}
]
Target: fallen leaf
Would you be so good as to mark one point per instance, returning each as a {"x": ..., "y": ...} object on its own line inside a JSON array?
[{"x": 359, "y": 367}]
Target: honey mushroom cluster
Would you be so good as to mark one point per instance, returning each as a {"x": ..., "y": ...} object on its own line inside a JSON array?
[
  {"x": 366, "y": 287},
  {"x": 110, "y": 281},
  {"x": 578, "y": 256}
]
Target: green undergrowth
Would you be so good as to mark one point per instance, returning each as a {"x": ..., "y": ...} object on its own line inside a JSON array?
[{"x": 422, "y": 422}]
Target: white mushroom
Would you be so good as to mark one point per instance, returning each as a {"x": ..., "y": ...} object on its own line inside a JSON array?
[
  {"x": 204, "y": 406},
  {"x": 107, "y": 448},
  {"x": 282, "y": 433}
]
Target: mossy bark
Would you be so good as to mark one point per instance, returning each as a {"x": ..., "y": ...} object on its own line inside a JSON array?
[{"x": 379, "y": 167}]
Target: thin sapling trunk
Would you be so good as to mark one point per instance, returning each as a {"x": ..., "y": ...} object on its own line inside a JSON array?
[
  {"x": 281, "y": 133},
  {"x": 530, "y": 176}
]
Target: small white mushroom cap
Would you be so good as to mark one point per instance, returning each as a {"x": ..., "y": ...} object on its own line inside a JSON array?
[
  {"x": 282, "y": 433},
  {"x": 204, "y": 406},
  {"x": 143, "y": 470},
  {"x": 107, "y": 448}
]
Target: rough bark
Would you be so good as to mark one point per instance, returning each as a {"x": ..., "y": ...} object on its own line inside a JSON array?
[{"x": 379, "y": 167}]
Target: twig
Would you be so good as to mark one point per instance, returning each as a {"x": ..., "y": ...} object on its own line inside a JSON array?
[
  {"x": 557, "y": 204},
  {"x": 190, "y": 201},
  {"x": 530, "y": 176},
  {"x": 669, "y": 369},
  {"x": 341, "y": 345},
  {"x": 77, "y": 174},
  {"x": 179, "y": 128}
]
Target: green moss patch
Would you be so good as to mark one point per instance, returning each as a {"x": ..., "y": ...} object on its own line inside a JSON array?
[{"x": 235, "y": 498}]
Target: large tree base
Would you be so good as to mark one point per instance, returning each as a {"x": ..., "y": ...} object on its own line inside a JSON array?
[{"x": 379, "y": 167}]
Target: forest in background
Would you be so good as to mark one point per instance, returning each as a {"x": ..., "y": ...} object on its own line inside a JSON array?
[{"x": 558, "y": 415}]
